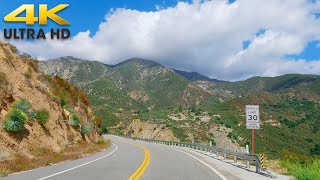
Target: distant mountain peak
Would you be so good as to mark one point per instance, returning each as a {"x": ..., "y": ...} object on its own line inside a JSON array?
[
  {"x": 68, "y": 58},
  {"x": 145, "y": 62}
]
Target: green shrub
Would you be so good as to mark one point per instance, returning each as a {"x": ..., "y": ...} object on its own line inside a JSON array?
[
  {"x": 63, "y": 102},
  {"x": 179, "y": 133},
  {"x": 304, "y": 171},
  {"x": 233, "y": 135},
  {"x": 84, "y": 129},
  {"x": 75, "y": 120},
  {"x": 33, "y": 115},
  {"x": 15, "y": 120},
  {"x": 104, "y": 129},
  {"x": 42, "y": 116},
  {"x": 23, "y": 105},
  {"x": 315, "y": 150}
]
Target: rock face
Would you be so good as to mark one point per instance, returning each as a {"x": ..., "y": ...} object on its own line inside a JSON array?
[
  {"x": 148, "y": 130},
  {"x": 222, "y": 140},
  {"x": 19, "y": 79}
]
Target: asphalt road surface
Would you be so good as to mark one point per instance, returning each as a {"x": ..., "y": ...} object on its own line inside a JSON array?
[{"x": 128, "y": 159}]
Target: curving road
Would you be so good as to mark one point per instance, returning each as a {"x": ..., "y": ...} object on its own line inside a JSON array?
[{"x": 129, "y": 159}]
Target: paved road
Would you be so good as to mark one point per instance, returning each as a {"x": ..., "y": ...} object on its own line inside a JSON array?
[{"x": 128, "y": 159}]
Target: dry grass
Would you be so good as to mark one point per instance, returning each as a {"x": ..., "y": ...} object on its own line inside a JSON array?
[
  {"x": 44, "y": 156},
  {"x": 3, "y": 79},
  {"x": 275, "y": 166},
  {"x": 64, "y": 90}
]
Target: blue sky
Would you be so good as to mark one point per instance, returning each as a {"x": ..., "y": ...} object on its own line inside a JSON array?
[
  {"x": 310, "y": 52},
  {"x": 228, "y": 39}
]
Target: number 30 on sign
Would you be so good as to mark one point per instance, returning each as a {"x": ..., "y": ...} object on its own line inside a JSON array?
[{"x": 252, "y": 117}]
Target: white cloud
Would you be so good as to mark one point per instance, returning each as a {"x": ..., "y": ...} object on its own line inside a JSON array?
[{"x": 202, "y": 36}]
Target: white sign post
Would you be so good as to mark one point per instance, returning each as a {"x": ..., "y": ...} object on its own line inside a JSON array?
[{"x": 252, "y": 121}]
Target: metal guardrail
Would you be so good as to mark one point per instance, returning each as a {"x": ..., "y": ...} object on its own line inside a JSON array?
[{"x": 213, "y": 149}]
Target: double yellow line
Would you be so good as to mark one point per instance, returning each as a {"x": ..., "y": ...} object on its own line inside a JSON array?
[{"x": 136, "y": 175}]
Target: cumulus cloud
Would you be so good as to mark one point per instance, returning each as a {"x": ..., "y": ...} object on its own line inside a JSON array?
[{"x": 203, "y": 36}]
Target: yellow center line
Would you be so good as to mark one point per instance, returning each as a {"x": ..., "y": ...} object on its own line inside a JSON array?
[{"x": 141, "y": 169}]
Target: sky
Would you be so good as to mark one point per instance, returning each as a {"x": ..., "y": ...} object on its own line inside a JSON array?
[{"x": 222, "y": 39}]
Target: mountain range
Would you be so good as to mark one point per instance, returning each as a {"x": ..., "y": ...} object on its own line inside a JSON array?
[{"x": 196, "y": 107}]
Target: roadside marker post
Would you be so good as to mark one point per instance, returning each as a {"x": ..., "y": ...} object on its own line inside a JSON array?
[
  {"x": 252, "y": 121},
  {"x": 262, "y": 165}
]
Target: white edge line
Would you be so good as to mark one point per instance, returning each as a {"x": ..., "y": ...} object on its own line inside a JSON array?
[
  {"x": 61, "y": 172},
  {"x": 214, "y": 170}
]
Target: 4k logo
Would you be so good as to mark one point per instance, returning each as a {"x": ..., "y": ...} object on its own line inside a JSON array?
[
  {"x": 30, "y": 19},
  {"x": 44, "y": 14}
]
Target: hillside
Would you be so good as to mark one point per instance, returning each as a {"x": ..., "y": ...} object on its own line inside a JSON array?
[
  {"x": 197, "y": 108},
  {"x": 297, "y": 82},
  {"x": 133, "y": 85},
  {"x": 194, "y": 76},
  {"x": 38, "y": 112}
]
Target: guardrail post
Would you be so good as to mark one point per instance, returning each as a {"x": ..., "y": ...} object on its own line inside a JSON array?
[
  {"x": 225, "y": 156},
  {"x": 235, "y": 159},
  {"x": 217, "y": 154},
  {"x": 258, "y": 167}
]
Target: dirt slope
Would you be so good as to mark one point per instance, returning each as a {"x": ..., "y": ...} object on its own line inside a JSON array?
[{"x": 19, "y": 79}]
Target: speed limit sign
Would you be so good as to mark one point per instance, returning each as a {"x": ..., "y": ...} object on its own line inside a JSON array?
[{"x": 252, "y": 117}]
